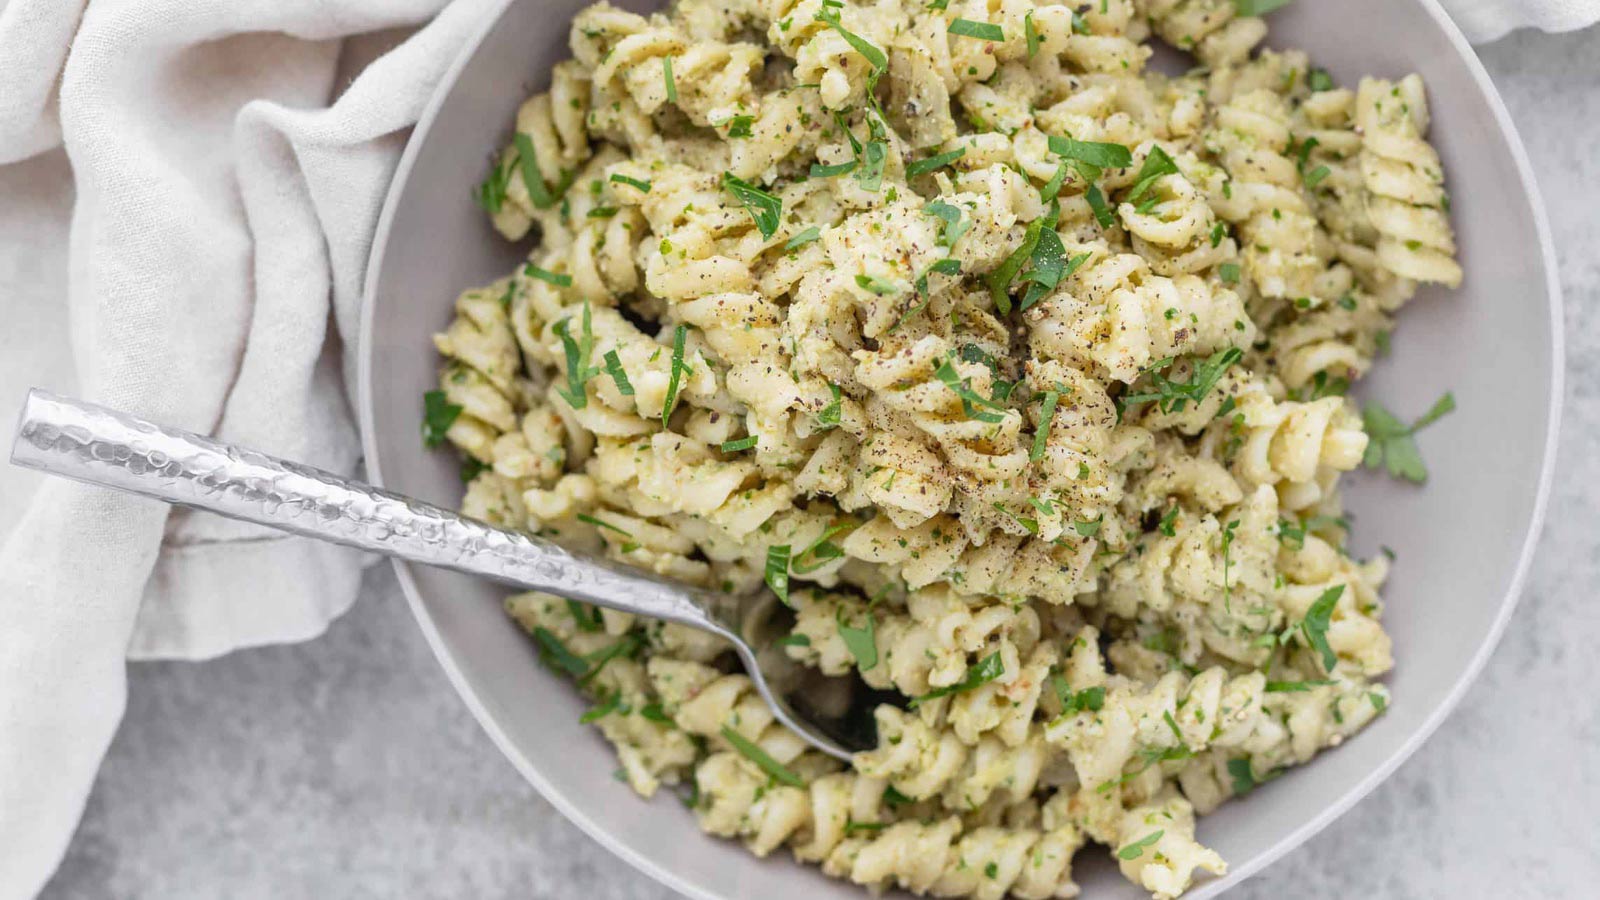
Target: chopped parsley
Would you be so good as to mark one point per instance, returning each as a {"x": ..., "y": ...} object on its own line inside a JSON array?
[
  {"x": 1174, "y": 396},
  {"x": 805, "y": 237},
  {"x": 739, "y": 126},
  {"x": 618, "y": 375},
  {"x": 438, "y": 414},
  {"x": 1259, "y": 7},
  {"x": 932, "y": 163},
  {"x": 1229, "y": 273},
  {"x": 672, "y": 83},
  {"x": 777, "y": 574},
  {"x": 1099, "y": 155},
  {"x": 556, "y": 655},
  {"x": 632, "y": 182},
  {"x": 1030, "y": 34},
  {"x": 578, "y": 353},
  {"x": 1319, "y": 80},
  {"x": 970, "y": 399},
  {"x": 755, "y": 754},
  {"x": 679, "y": 336},
  {"x": 980, "y": 673},
  {"x": 999, "y": 281},
  {"x": 1041, "y": 435},
  {"x": 1393, "y": 443},
  {"x": 765, "y": 209},
  {"x": 1295, "y": 687},
  {"x": 602, "y": 523},
  {"x": 829, "y": 15},
  {"x": 744, "y": 443},
  {"x": 1136, "y": 849},
  {"x": 1315, "y": 625},
  {"x": 612, "y": 703},
  {"x": 538, "y": 191},
  {"x": 547, "y": 276},
  {"x": 983, "y": 31},
  {"x": 1157, "y": 165},
  {"x": 955, "y": 225},
  {"x": 880, "y": 286},
  {"x": 829, "y": 416},
  {"x": 491, "y": 194},
  {"x": 861, "y": 642}
]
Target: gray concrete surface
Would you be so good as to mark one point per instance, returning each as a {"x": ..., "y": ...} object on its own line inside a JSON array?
[{"x": 347, "y": 768}]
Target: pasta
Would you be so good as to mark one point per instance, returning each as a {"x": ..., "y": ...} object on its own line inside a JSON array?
[{"x": 1016, "y": 368}]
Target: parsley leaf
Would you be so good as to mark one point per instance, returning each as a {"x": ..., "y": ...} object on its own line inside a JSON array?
[
  {"x": 556, "y": 654},
  {"x": 1393, "y": 445},
  {"x": 1315, "y": 625},
  {"x": 755, "y": 754},
  {"x": 1030, "y": 34},
  {"x": 1259, "y": 7},
  {"x": 618, "y": 374},
  {"x": 777, "y": 574},
  {"x": 954, "y": 224},
  {"x": 632, "y": 182},
  {"x": 765, "y": 209},
  {"x": 805, "y": 237},
  {"x": 491, "y": 194},
  {"x": 983, "y": 31},
  {"x": 1097, "y": 154},
  {"x": 1157, "y": 165},
  {"x": 438, "y": 414},
  {"x": 861, "y": 642},
  {"x": 672, "y": 83},
  {"x": 980, "y": 673},
  {"x": 970, "y": 399},
  {"x": 999, "y": 281},
  {"x": 679, "y": 336},
  {"x": 1041, "y": 435},
  {"x": 829, "y": 15},
  {"x": 932, "y": 163},
  {"x": 1136, "y": 849},
  {"x": 538, "y": 191},
  {"x": 744, "y": 443},
  {"x": 578, "y": 353},
  {"x": 547, "y": 276}
]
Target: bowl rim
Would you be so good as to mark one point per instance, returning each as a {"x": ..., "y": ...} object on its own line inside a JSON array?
[{"x": 1290, "y": 840}]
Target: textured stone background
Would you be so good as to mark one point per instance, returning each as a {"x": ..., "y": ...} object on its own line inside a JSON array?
[{"x": 347, "y": 768}]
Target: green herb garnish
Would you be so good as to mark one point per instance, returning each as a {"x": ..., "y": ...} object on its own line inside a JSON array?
[
  {"x": 438, "y": 414},
  {"x": 1393, "y": 443},
  {"x": 1315, "y": 625},
  {"x": 765, "y": 209},
  {"x": 578, "y": 353},
  {"x": 678, "y": 367},
  {"x": 1136, "y": 849},
  {"x": 618, "y": 375},
  {"x": 805, "y": 237},
  {"x": 632, "y": 182},
  {"x": 744, "y": 443},
  {"x": 861, "y": 642},
  {"x": 983, "y": 31},
  {"x": 758, "y": 756},
  {"x": 932, "y": 163},
  {"x": 777, "y": 574},
  {"x": 538, "y": 191},
  {"x": 547, "y": 276},
  {"x": 980, "y": 673}
]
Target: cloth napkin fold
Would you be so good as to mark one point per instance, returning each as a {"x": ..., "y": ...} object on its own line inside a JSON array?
[{"x": 223, "y": 191}]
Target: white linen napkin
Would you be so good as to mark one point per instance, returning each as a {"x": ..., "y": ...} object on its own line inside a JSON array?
[{"x": 222, "y": 191}]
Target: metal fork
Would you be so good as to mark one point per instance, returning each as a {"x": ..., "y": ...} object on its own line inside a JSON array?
[{"x": 100, "y": 446}]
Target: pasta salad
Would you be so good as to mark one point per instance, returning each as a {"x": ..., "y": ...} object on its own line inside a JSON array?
[{"x": 1014, "y": 367}]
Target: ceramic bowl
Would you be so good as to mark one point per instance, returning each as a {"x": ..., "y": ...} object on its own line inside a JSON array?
[{"x": 1463, "y": 541}]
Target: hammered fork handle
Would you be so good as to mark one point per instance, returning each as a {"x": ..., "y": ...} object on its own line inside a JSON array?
[{"x": 100, "y": 446}]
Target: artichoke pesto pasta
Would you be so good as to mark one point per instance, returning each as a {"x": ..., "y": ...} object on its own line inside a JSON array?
[{"x": 1014, "y": 367}]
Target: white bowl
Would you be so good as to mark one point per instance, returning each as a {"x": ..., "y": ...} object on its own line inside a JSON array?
[{"x": 1464, "y": 541}]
